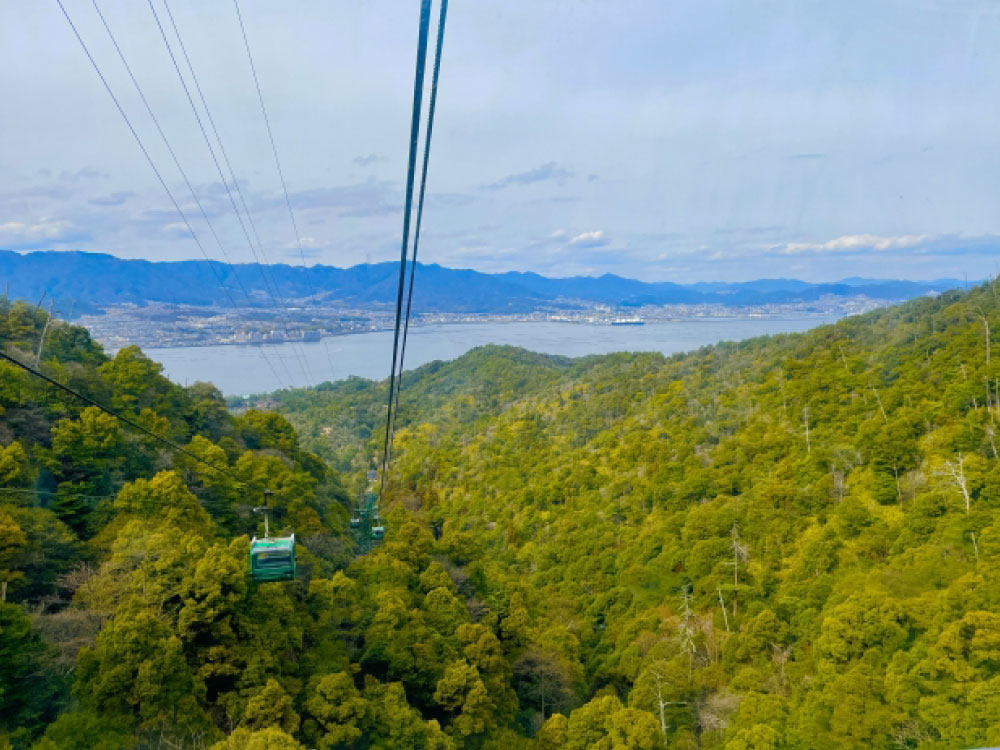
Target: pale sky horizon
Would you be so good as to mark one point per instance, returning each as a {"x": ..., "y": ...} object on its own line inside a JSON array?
[{"x": 662, "y": 141}]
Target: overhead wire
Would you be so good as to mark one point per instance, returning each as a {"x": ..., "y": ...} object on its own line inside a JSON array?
[
  {"x": 23, "y": 491},
  {"x": 215, "y": 160},
  {"x": 121, "y": 417},
  {"x": 280, "y": 170},
  {"x": 420, "y": 200},
  {"x": 225, "y": 158},
  {"x": 156, "y": 170},
  {"x": 270, "y": 133},
  {"x": 418, "y": 87},
  {"x": 400, "y": 326}
]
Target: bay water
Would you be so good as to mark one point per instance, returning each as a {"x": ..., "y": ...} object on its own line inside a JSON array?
[{"x": 242, "y": 369}]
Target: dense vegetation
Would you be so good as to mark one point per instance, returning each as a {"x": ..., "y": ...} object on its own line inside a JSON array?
[{"x": 790, "y": 542}]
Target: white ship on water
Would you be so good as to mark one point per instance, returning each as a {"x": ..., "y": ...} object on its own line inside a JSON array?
[{"x": 633, "y": 321}]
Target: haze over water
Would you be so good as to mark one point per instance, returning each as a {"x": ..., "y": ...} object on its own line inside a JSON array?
[{"x": 241, "y": 370}]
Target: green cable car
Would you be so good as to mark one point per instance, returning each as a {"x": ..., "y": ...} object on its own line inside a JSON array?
[
  {"x": 273, "y": 558},
  {"x": 366, "y": 523}
]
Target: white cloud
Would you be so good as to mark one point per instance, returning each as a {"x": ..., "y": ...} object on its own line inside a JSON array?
[
  {"x": 176, "y": 229},
  {"x": 849, "y": 243},
  {"x": 43, "y": 229},
  {"x": 590, "y": 239}
]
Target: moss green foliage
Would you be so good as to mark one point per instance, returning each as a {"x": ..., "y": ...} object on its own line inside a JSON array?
[{"x": 791, "y": 542}]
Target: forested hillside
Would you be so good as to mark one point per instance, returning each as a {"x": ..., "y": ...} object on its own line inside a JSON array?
[
  {"x": 129, "y": 619},
  {"x": 791, "y": 542}
]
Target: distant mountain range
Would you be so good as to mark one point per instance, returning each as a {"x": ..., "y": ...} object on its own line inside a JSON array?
[{"x": 82, "y": 282}]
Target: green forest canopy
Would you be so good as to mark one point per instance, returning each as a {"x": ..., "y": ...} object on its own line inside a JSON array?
[{"x": 790, "y": 542}]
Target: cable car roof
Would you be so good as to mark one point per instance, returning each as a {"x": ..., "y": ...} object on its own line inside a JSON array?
[{"x": 287, "y": 542}]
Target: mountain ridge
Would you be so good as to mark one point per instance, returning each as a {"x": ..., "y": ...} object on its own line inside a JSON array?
[{"x": 82, "y": 282}]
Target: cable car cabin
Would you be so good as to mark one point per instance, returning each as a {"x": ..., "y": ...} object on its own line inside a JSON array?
[
  {"x": 378, "y": 533},
  {"x": 355, "y": 522},
  {"x": 273, "y": 558}
]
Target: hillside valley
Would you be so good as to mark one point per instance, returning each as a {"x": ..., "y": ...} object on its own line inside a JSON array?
[{"x": 790, "y": 542}]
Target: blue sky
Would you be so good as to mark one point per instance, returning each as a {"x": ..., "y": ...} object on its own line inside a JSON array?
[{"x": 682, "y": 141}]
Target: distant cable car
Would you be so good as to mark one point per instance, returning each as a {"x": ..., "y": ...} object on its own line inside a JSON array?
[
  {"x": 366, "y": 523},
  {"x": 271, "y": 558}
]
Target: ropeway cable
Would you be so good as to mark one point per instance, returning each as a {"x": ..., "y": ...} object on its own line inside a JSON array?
[
  {"x": 215, "y": 160},
  {"x": 183, "y": 173},
  {"x": 420, "y": 200},
  {"x": 120, "y": 417},
  {"x": 277, "y": 164},
  {"x": 159, "y": 176},
  {"x": 418, "y": 86},
  {"x": 226, "y": 161}
]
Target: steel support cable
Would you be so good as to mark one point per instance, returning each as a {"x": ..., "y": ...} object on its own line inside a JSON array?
[
  {"x": 274, "y": 147},
  {"x": 225, "y": 158},
  {"x": 418, "y": 87},
  {"x": 269, "y": 284},
  {"x": 187, "y": 181},
  {"x": 218, "y": 167},
  {"x": 420, "y": 200},
  {"x": 277, "y": 164},
  {"x": 159, "y": 176},
  {"x": 121, "y": 418},
  {"x": 23, "y": 491}
]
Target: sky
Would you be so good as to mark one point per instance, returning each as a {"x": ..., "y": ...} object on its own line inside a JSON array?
[{"x": 690, "y": 140}]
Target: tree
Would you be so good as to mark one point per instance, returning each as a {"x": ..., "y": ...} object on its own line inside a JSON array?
[
  {"x": 336, "y": 710},
  {"x": 85, "y": 456},
  {"x": 757, "y": 737},
  {"x": 83, "y": 730},
  {"x": 393, "y": 723},
  {"x": 262, "y": 739},
  {"x": 444, "y": 611},
  {"x": 137, "y": 384},
  {"x": 166, "y": 498},
  {"x": 12, "y": 543},
  {"x": 662, "y": 687},
  {"x": 206, "y": 413},
  {"x": 263, "y": 429},
  {"x": 15, "y": 471},
  {"x": 959, "y": 682},
  {"x": 137, "y": 672},
  {"x": 514, "y": 628},
  {"x": 28, "y": 692},
  {"x": 955, "y": 473},
  {"x": 552, "y": 735},
  {"x": 604, "y": 724},
  {"x": 271, "y": 706},
  {"x": 759, "y": 723},
  {"x": 542, "y": 681},
  {"x": 50, "y": 551},
  {"x": 461, "y": 691}
]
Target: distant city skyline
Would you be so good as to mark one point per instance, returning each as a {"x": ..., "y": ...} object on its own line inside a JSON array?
[{"x": 665, "y": 142}]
